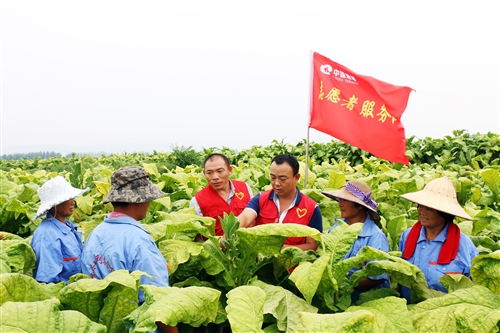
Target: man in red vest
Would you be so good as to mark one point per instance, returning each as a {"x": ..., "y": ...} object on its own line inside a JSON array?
[
  {"x": 221, "y": 195},
  {"x": 284, "y": 203}
]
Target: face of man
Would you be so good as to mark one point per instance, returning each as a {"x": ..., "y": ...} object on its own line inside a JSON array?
[
  {"x": 282, "y": 179},
  {"x": 217, "y": 173}
]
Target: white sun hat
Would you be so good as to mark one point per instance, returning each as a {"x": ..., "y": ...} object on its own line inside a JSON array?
[
  {"x": 56, "y": 191},
  {"x": 441, "y": 195}
]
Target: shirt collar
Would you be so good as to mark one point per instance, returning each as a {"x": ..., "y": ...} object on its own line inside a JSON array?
[
  {"x": 124, "y": 220},
  {"x": 368, "y": 226},
  {"x": 298, "y": 196},
  {"x": 64, "y": 227}
]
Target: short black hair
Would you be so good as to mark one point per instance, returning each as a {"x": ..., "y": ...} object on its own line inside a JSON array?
[
  {"x": 214, "y": 155},
  {"x": 447, "y": 217},
  {"x": 287, "y": 158}
]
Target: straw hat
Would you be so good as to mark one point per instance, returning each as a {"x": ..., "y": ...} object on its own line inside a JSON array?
[
  {"x": 441, "y": 195},
  {"x": 358, "y": 192},
  {"x": 56, "y": 191},
  {"x": 132, "y": 184}
]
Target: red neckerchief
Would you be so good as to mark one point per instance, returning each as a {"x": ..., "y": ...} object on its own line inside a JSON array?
[{"x": 449, "y": 249}]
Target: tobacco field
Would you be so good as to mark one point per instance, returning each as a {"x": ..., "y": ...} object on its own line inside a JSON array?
[{"x": 248, "y": 287}]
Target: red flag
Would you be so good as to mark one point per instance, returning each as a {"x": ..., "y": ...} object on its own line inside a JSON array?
[{"x": 359, "y": 110}]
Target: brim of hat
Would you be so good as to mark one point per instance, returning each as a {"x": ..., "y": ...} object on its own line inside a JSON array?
[
  {"x": 46, "y": 206},
  {"x": 344, "y": 194},
  {"x": 437, "y": 202},
  {"x": 139, "y": 195}
]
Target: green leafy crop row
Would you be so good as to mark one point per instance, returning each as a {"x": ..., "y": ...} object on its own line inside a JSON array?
[{"x": 249, "y": 286}]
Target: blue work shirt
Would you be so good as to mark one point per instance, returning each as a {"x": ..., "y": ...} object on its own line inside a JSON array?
[
  {"x": 57, "y": 247},
  {"x": 370, "y": 235},
  {"x": 122, "y": 243},
  {"x": 426, "y": 256}
]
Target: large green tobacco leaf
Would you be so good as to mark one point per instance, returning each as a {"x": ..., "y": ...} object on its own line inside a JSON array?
[
  {"x": 106, "y": 301},
  {"x": 336, "y": 180},
  {"x": 339, "y": 241},
  {"x": 390, "y": 314},
  {"x": 215, "y": 260},
  {"x": 245, "y": 309},
  {"x": 485, "y": 271},
  {"x": 400, "y": 270},
  {"x": 178, "y": 252},
  {"x": 307, "y": 276},
  {"x": 246, "y": 250},
  {"x": 452, "y": 282},
  {"x": 193, "y": 306},
  {"x": 473, "y": 309},
  {"x": 45, "y": 316},
  {"x": 353, "y": 322},
  {"x": 11, "y": 329},
  {"x": 491, "y": 178},
  {"x": 268, "y": 239},
  {"x": 53, "y": 289},
  {"x": 284, "y": 306},
  {"x": 16, "y": 287},
  {"x": 18, "y": 256},
  {"x": 85, "y": 203},
  {"x": 180, "y": 225},
  {"x": 395, "y": 228},
  {"x": 119, "y": 302}
]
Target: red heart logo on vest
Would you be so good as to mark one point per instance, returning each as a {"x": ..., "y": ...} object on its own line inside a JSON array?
[
  {"x": 301, "y": 212},
  {"x": 239, "y": 195}
]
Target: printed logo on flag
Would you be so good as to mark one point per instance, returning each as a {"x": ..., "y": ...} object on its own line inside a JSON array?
[{"x": 337, "y": 74}]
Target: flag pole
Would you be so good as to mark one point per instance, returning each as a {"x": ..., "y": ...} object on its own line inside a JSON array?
[
  {"x": 309, "y": 116},
  {"x": 307, "y": 158}
]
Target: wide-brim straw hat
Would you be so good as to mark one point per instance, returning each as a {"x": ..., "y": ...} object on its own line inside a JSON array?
[
  {"x": 441, "y": 195},
  {"x": 358, "y": 192},
  {"x": 55, "y": 191},
  {"x": 132, "y": 184}
]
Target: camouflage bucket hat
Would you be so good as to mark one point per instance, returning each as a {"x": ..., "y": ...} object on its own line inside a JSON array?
[{"x": 132, "y": 184}]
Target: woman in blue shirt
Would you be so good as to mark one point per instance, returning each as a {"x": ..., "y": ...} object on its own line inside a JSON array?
[
  {"x": 56, "y": 242},
  {"x": 435, "y": 243},
  {"x": 357, "y": 206}
]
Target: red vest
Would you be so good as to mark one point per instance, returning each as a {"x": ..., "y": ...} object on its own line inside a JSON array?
[
  {"x": 212, "y": 205},
  {"x": 301, "y": 213}
]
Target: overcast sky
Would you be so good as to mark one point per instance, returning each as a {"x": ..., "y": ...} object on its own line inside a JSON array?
[{"x": 125, "y": 76}]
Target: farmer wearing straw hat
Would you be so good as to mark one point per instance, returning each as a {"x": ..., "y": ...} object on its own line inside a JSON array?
[
  {"x": 435, "y": 244},
  {"x": 56, "y": 242},
  {"x": 120, "y": 241},
  {"x": 357, "y": 206}
]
